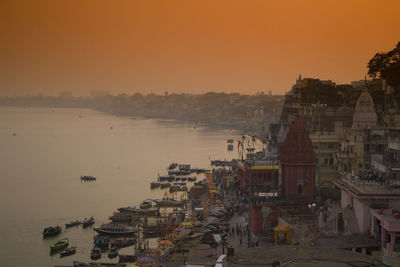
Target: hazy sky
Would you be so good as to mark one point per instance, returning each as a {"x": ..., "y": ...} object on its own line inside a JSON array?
[{"x": 188, "y": 46}]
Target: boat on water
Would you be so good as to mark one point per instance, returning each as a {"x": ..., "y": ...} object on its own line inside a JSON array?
[
  {"x": 146, "y": 204},
  {"x": 131, "y": 209},
  {"x": 115, "y": 229},
  {"x": 180, "y": 172},
  {"x": 230, "y": 141},
  {"x": 198, "y": 170},
  {"x": 59, "y": 244},
  {"x": 51, "y": 231},
  {"x": 169, "y": 178},
  {"x": 123, "y": 242},
  {"x": 172, "y": 166},
  {"x": 88, "y": 178},
  {"x": 165, "y": 185},
  {"x": 174, "y": 188},
  {"x": 230, "y": 147},
  {"x": 127, "y": 258},
  {"x": 68, "y": 252},
  {"x": 87, "y": 222},
  {"x": 155, "y": 185},
  {"x": 121, "y": 217},
  {"x": 183, "y": 178},
  {"x": 73, "y": 223},
  {"x": 112, "y": 253},
  {"x": 192, "y": 179},
  {"x": 95, "y": 254},
  {"x": 184, "y": 167},
  {"x": 168, "y": 202},
  {"x": 101, "y": 241}
]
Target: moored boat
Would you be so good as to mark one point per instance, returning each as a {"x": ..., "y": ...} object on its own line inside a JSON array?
[
  {"x": 172, "y": 166},
  {"x": 146, "y": 204},
  {"x": 95, "y": 254},
  {"x": 123, "y": 242},
  {"x": 127, "y": 258},
  {"x": 101, "y": 241},
  {"x": 165, "y": 185},
  {"x": 73, "y": 223},
  {"x": 154, "y": 185},
  {"x": 112, "y": 253},
  {"x": 121, "y": 217},
  {"x": 51, "y": 231},
  {"x": 59, "y": 244},
  {"x": 68, "y": 251},
  {"x": 115, "y": 229},
  {"x": 169, "y": 202}
]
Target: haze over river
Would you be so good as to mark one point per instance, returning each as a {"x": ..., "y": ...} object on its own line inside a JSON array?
[{"x": 40, "y": 169}]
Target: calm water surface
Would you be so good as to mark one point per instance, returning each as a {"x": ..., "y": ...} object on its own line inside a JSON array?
[{"x": 40, "y": 169}]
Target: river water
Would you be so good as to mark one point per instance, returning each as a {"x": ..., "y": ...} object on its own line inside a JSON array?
[{"x": 41, "y": 165}]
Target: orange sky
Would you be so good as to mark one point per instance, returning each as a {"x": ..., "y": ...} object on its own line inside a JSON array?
[{"x": 188, "y": 46}]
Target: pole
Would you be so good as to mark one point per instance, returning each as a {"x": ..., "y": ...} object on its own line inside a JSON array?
[
  {"x": 249, "y": 200},
  {"x": 319, "y": 142}
]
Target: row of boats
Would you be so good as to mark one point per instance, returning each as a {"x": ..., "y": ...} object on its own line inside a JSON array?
[
  {"x": 88, "y": 178},
  {"x": 56, "y": 230}
]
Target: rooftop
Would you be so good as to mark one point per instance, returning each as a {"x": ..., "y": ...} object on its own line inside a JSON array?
[{"x": 368, "y": 189}]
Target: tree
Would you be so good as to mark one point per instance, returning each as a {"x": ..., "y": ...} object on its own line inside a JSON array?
[{"x": 386, "y": 66}]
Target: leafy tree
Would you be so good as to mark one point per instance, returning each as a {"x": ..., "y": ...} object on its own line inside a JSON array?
[{"x": 386, "y": 66}]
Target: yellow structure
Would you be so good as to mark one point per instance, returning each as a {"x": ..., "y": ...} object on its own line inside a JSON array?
[{"x": 283, "y": 230}]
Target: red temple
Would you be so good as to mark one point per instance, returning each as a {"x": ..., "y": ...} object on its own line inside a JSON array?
[{"x": 297, "y": 161}]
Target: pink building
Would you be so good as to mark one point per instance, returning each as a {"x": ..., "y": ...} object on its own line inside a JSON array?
[{"x": 386, "y": 228}]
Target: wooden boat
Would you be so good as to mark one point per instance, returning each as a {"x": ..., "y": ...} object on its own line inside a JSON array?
[
  {"x": 165, "y": 185},
  {"x": 154, "y": 185},
  {"x": 88, "y": 178},
  {"x": 68, "y": 252},
  {"x": 115, "y": 229},
  {"x": 88, "y": 222},
  {"x": 184, "y": 179},
  {"x": 101, "y": 241},
  {"x": 73, "y": 223},
  {"x": 123, "y": 242},
  {"x": 51, "y": 231},
  {"x": 59, "y": 244},
  {"x": 169, "y": 202},
  {"x": 112, "y": 253},
  {"x": 121, "y": 217},
  {"x": 127, "y": 258},
  {"x": 146, "y": 204},
  {"x": 80, "y": 264},
  {"x": 131, "y": 209},
  {"x": 192, "y": 179},
  {"x": 95, "y": 254},
  {"x": 172, "y": 166},
  {"x": 166, "y": 178},
  {"x": 230, "y": 147}
]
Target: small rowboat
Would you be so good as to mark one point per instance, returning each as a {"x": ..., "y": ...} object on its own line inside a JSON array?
[{"x": 60, "y": 244}]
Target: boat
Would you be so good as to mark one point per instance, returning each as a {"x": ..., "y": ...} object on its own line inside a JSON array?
[
  {"x": 59, "y": 244},
  {"x": 95, "y": 254},
  {"x": 174, "y": 188},
  {"x": 146, "y": 204},
  {"x": 131, "y": 209},
  {"x": 51, "y": 231},
  {"x": 230, "y": 147},
  {"x": 180, "y": 172},
  {"x": 73, "y": 223},
  {"x": 127, "y": 258},
  {"x": 88, "y": 178},
  {"x": 168, "y": 202},
  {"x": 184, "y": 167},
  {"x": 172, "y": 166},
  {"x": 121, "y": 217},
  {"x": 115, "y": 229},
  {"x": 166, "y": 178},
  {"x": 112, "y": 253},
  {"x": 80, "y": 264},
  {"x": 177, "y": 178},
  {"x": 165, "y": 185},
  {"x": 230, "y": 141},
  {"x": 123, "y": 242},
  {"x": 155, "y": 185},
  {"x": 183, "y": 178},
  {"x": 192, "y": 179},
  {"x": 101, "y": 241},
  {"x": 68, "y": 252},
  {"x": 88, "y": 222}
]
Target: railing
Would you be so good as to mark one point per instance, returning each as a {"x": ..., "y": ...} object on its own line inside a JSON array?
[{"x": 296, "y": 219}]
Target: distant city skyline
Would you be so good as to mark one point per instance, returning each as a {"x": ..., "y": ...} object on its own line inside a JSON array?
[{"x": 47, "y": 47}]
